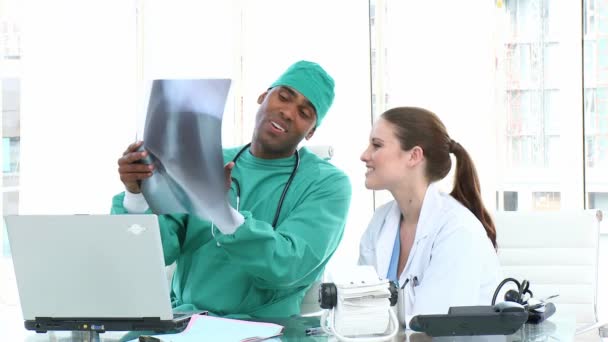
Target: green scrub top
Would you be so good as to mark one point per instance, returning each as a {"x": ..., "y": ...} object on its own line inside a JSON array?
[{"x": 258, "y": 271}]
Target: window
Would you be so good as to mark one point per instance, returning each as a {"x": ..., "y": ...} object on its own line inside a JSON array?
[
  {"x": 596, "y": 102},
  {"x": 510, "y": 200},
  {"x": 10, "y": 37},
  {"x": 598, "y": 200},
  {"x": 10, "y": 130},
  {"x": 546, "y": 200},
  {"x": 537, "y": 104}
]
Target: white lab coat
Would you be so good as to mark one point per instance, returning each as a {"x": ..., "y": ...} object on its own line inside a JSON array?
[{"x": 452, "y": 261}]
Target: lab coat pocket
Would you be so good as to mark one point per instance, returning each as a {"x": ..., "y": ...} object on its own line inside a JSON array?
[{"x": 405, "y": 302}]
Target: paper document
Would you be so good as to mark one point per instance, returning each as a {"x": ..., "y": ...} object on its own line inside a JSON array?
[
  {"x": 183, "y": 136},
  {"x": 217, "y": 329}
]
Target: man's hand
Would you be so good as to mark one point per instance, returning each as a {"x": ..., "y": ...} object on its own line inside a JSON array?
[
  {"x": 228, "y": 173},
  {"x": 131, "y": 172}
]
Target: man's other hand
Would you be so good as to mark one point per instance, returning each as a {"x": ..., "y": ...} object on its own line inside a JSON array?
[
  {"x": 228, "y": 173},
  {"x": 132, "y": 169}
]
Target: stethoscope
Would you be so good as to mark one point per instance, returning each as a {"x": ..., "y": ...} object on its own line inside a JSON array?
[{"x": 238, "y": 186}]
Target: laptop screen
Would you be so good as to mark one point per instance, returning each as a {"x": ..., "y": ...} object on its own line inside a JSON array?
[{"x": 78, "y": 266}]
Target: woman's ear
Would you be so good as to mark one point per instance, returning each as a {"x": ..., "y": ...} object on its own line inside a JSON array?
[{"x": 416, "y": 155}]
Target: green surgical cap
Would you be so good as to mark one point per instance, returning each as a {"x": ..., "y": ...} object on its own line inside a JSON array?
[{"x": 310, "y": 80}]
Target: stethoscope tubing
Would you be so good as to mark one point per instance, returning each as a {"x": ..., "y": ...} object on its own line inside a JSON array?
[{"x": 287, "y": 185}]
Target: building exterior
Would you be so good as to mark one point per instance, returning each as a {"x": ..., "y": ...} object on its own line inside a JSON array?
[{"x": 535, "y": 136}]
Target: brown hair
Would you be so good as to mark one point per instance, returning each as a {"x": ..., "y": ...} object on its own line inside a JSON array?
[{"x": 420, "y": 127}]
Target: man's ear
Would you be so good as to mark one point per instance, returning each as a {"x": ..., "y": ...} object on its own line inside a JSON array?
[
  {"x": 262, "y": 97},
  {"x": 311, "y": 133}
]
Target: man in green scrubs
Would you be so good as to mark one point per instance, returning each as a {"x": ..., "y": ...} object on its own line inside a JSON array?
[{"x": 254, "y": 268}]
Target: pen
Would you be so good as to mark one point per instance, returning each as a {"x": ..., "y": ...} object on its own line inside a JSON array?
[
  {"x": 415, "y": 281},
  {"x": 314, "y": 331}
]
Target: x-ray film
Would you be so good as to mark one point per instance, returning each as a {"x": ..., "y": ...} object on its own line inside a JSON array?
[{"x": 183, "y": 137}]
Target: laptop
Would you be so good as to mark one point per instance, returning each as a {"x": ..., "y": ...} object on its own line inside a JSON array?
[{"x": 91, "y": 272}]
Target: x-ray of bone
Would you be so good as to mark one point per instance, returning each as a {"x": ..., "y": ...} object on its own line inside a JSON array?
[{"x": 183, "y": 137}]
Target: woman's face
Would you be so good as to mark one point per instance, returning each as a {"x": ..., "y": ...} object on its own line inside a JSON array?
[{"x": 386, "y": 162}]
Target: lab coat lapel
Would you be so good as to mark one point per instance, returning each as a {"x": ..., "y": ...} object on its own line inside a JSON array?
[
  {"x": 429, "y": 223},
  {"x": 386, "y": 239},
  {"x": 430, "y": 220}
]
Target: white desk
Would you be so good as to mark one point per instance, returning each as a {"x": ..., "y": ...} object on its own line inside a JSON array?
[{"x": 557, "y": 328}]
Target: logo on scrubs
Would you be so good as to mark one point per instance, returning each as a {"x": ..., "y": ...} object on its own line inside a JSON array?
[{"x": 136, "y": 229}]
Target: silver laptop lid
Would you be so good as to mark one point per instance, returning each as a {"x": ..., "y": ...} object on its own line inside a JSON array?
[{"x": 78, "y": 266}]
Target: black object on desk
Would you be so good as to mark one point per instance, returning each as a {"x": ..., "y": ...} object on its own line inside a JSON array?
[
  {"x": 471, "y": 321},
  {"x": 149, "y": 339},
  {"x": 314, "y": 331},
  {"x": 539, "y": 316},
  {"x": 103, "y": 324}
]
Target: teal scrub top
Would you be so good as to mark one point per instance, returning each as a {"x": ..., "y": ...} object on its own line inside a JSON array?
[{"x": 258, "y": 271}]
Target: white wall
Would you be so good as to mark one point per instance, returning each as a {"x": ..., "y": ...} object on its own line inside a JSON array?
[
  {"x": 191, "y": 39},
  {"x": 78, "y": 100},
  {"x": 440, "y": 56},
  {"x": 85, "y": 75}
]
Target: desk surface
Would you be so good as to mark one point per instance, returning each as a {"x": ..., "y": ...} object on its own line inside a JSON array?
[{"x": 557, "y": 328}]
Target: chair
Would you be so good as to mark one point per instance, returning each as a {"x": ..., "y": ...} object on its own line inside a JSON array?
[
  {"x": 557, "y": 251},
  {"x": 325, "y": 152}
]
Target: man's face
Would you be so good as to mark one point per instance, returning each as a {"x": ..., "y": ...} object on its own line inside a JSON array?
[{"x": 284, "y": 118}]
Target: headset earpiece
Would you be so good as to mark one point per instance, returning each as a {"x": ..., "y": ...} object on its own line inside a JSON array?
[
  {"x": 512, "y": 296},
  {"x": 517, "y": 296}
]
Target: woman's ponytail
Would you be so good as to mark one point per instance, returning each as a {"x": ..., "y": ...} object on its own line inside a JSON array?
[{"x": 467, "y": 190}]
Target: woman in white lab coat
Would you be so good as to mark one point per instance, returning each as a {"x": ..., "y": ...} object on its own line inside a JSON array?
[{"x": 440, "y": 248}]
